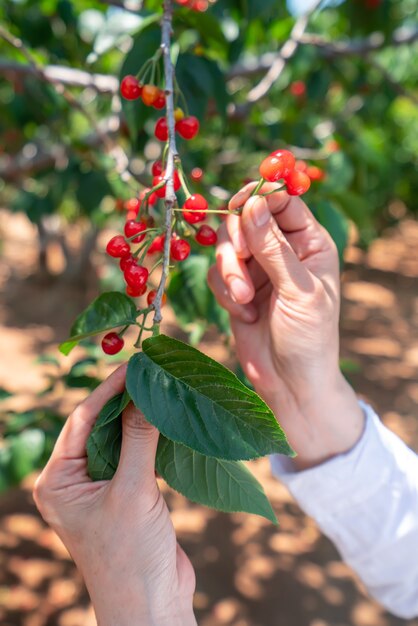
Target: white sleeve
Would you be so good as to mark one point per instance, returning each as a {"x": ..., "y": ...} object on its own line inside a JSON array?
[{"x": 366, "y": 502}]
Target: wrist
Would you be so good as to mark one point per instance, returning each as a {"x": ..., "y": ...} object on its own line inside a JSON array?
[{"x": 326, "y": 423}]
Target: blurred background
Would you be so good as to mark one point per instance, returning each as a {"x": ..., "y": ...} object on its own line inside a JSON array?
[{"x": 344, "y": 97}]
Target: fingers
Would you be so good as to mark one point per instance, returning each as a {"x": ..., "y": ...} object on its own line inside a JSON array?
[
  {"x": 139, "y": 446},
  {"x": 271, "y": 249},
  {"x": 71, "y": 443},
  {"x": 233, "y": 270},
  {"x": 246, "y": 313}
]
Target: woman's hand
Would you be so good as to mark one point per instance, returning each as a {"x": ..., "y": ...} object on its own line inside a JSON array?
[
  {"x": 277, "y": 274},
  {"x": 118, "y": 532}
]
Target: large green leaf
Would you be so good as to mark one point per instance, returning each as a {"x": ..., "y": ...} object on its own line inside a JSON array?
[
  {"x": 105, "y": 440},
  {"x": 223, "y": 485},
  {"x": 110, "y": 310},
  {"x": 195, "y": 401},
  {"x": 201, "y": 79}
]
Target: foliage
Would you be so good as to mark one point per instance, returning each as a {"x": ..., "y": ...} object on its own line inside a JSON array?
[{"x": 79, "y": 152}]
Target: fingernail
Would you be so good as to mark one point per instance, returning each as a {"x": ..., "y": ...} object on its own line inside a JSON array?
[
  {"x": 240, "y": 291},
  {"x": 260, "y": 213}
]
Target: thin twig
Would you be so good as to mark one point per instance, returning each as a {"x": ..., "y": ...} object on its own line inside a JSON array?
[{"x": 172, "y": 154}]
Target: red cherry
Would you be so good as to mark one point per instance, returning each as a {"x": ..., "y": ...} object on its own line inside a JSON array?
[
  {"x": 159, "y": 179},
  {"x": 188, "y": 127},
  {"x": 159, "y": 102},
  {"x": 149, "y": 94},
  {"x": 297, "y": 183},
  {"x": 157, "y": 245},
  {"x": 112, "y": 343},
  {"x": 301, "y": 165},
  {"x": 119, "y": 204},
  {"x": 157, "y": 168},
  {"x": 197, "y": 174},
  {"x": 117, "y": 247},
  {"x": 315, "y": 173},
  {"x": 161, "y": 129},
  {"x": 127, "y": 260},
  {"x": 152, "y": 198},
  {"x": 297, "y": 88},
  {"x": 206, "y": 236},
  {"x": 133, "y": 204},
  {"x": 195, "y": 203},
  {"x": 136, "y": 276},
  {"x": 135, "y": 292},
  {"x": 151, "y": 297},
  {"x": 180, "y": 249},
  {"x": 132, "y": 228},
  {"x": 277, "y": 165},
  {"x": 130, "y": 88}
]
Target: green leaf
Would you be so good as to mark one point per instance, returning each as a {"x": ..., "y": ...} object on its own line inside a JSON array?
[
  {"x": 26, "y": 450},
  {"x": 4, "y": 394},
  {"x": 110, "y": 310},
  {"x": 195, "y": 401},
  {"x": 223, "y": 485},
  {"x": 201, "y": 79},
  {"x": 190, "y": 296},
  {"x": 105, "y": 440}
]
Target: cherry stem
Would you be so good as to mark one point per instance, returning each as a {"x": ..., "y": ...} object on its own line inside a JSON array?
[
  {"x": 137, "y": 343},
  {"x": 257, "y": 187},
  {"x": 182, "y": 177},
  {"x": 142, "y": 232}
]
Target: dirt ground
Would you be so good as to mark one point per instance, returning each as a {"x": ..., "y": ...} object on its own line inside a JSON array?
[{"x": 248, "y": 572}]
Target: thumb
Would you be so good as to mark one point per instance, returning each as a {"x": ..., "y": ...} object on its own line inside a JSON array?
[
  {"x": 271, "y": 249},
  {"x": 139, "y": 447}
]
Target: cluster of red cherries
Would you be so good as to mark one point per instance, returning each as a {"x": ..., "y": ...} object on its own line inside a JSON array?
[{"x": 281, "y": 165}]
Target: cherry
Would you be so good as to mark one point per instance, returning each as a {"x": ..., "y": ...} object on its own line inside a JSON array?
[
  {"x": 180, "y": 249},
  {"x": 297, "y": 183},
  {"x": 206, "y": 236},
  {"x": 149, "y": 94},
  {"x": 298, "y": 88},
  {"x": 157, "y": 168},
  {"x": 119, "y": 204},
  {"x": 195, "y": 203},
  {"x": 159, "y": 102},
  {"x": 188, "y": 127},
  {"x": 130, "y": 88},
  {"x": 152, "y": 198},
  {"x": 178, "y": 114},
  {"x": 133, "y": 227},
  {"x": 157, "y": 245},
  {"x": 151, "y": 297},
  {"x": 135, "y": 292},
  {"x": 136, "y": 276},
  {"x": 277, "y": 165},
  {"x": 161, "y": 129},
  {"x": 117, "y": 247},
  {"x": 315, "y": 173},
  {"x": 301, "y": 165},
  {"x": 197, "y": 174},
  {"x": 160, "y": 193},
  {"x": 112, "y": 343},
  {"x": 127, "y": 260},
  {"x": 133, "y": 204}
]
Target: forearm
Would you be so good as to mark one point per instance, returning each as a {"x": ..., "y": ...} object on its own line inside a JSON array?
[
  {"x": 321, "y": 423},
  {"x": 366, "y": 502}
]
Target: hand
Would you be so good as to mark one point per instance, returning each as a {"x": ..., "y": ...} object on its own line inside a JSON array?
[
  {"x": 118, "y": 532},
  {"x": 277, "y": 274}
]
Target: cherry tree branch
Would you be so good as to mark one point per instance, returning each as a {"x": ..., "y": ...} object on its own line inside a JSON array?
[
  {"x": 172, "y": 154},
  {"x": 73, "y": 77},
  {"x": 327, "y": 49}
]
